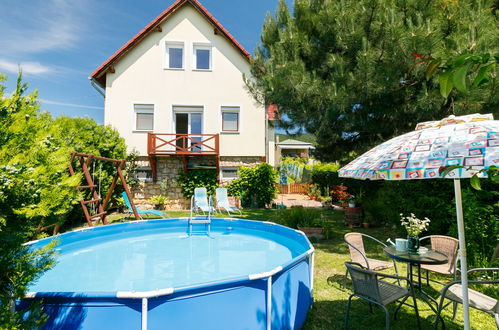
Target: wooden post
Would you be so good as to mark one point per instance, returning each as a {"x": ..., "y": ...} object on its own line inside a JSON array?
[
  {"x": 125, "y": 186},
  {"x": 110, "y": 191},
  {"x": 152, "y": 163}
]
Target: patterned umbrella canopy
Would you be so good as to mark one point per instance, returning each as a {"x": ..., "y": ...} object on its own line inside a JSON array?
[{"x": 470, "y": 141}]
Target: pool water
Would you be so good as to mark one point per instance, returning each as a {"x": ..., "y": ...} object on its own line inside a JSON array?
[{"x": 155, "y": 259}]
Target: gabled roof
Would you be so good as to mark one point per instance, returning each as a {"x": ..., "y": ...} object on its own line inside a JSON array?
[
  {"x": 100, "y": 73},
  {"x": 290, "y": 144}
]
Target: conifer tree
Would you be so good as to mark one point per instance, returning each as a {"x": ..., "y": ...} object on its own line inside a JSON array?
[{"x": 352, "y": 72}]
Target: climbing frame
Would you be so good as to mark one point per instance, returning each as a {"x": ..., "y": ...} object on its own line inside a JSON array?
[{"x": 85, "y": 160}]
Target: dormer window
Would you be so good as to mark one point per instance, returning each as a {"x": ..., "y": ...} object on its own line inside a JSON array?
[
  {"x": 174, "y": 55},
  {"x": 202, "y": 57}
]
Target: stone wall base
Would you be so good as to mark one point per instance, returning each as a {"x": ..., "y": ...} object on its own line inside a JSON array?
[{"x": 169, "y": 168}]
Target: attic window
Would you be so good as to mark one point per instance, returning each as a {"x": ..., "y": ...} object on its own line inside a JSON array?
[
  {"x": 174, "y": 55},
  {"x": 202, "y": 57}
]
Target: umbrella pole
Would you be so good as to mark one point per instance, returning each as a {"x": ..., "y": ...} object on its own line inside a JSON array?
[{"x": 462, "y": 253}]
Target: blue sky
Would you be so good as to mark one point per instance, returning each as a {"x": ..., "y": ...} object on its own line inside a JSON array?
[{"x": 58, "y": 43}]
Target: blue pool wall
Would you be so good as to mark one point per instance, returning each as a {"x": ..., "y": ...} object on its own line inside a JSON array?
[{"x": 239, "y": 303}]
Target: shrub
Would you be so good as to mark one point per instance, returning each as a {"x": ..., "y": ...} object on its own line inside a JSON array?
[
  {"x": 325, "y": 175},
  {"x": 339, "y": 193},
  {"x": 255, "y": 185},
  {"x": 198, "y": 178},
  {"x": 158, "y": 200},
  {"x": 298, "y": 216},
  {"x": 385, "y": 200}
]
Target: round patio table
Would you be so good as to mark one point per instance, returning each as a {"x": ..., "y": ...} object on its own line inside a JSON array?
[{"x": 424, "y": 257}]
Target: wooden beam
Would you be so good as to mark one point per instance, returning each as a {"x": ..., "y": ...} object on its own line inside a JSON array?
[
  {"x": 110, "y": 191},
  {"x": 152, "y": 163},
  {"x": 117, "y": 161},
  {"x": 125, "y": 186},
  {"x": 111, "y": 69},
  {"x": 159, "y": 28}
]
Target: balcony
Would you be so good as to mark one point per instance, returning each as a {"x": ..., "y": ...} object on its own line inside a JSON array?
[{"x": 183, "y": 144}]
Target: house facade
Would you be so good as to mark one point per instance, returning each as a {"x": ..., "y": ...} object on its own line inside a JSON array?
[{"x": 176, "y": 93}]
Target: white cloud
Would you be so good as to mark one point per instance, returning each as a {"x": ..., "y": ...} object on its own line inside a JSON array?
[
  {"x": 30, "y": 68},
  {"x": 36, "y": 26},
  {"x": 73, "y": 105}
]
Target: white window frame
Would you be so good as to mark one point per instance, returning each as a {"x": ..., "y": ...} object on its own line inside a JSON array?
[
  {"x": 201, "y": 46},
  {"x": 187, "y": 109},
  {"x": 173, "y": 44},
  {"x": 230, "y": 109},
  {"x": 147, "y": 111}
]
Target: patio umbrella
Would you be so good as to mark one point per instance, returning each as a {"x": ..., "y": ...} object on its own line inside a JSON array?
[{"x": 470, "y": 141}]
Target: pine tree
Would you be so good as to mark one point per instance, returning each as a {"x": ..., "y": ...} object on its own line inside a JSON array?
[{"x": 352, "y": 72}]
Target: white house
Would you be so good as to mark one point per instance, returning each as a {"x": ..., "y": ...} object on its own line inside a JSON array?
[{"x": 176, "y": 93}]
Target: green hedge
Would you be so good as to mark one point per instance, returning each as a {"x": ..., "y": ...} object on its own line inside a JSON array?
[
  {"x": 198, "y": 178},
  {"x": 325, "y": 175},
  {"x": 255, "y": 185}
]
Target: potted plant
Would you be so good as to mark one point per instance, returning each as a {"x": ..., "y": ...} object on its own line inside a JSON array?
[
  {"x": 312, "y": 227},
  {"x": 366, "y": 223},
  {"x": 340, "y": 194},
  {"x": 158, "y": 201},
  {"x": 313, "y": 192},
  {"x": 414, "y": 227},
  {"x": 307, "y": 220},
  {"x": 351, "y": 201}
]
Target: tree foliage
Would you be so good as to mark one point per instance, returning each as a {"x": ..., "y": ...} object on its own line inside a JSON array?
[
  {"x": 463, "y": 72},
  {"x": 36, "y": 190},
  {"x": 348, "y": 71}
]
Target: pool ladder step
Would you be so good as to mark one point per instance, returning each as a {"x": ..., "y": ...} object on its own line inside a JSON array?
[{"x": 203, "y": 220}]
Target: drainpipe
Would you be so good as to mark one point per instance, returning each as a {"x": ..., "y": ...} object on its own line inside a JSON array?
[{"x": 97, "y": 87}]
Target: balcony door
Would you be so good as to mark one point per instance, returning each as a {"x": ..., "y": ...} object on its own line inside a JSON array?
[{"x": 189, "y": 120}]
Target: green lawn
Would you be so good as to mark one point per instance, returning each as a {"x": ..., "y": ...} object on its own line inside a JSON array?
[{"x": 330, "y": 296}]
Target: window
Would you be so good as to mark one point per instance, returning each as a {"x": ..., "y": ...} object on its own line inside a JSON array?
[
  {"x": 230, "y": 119},
  {"x": 202, "y": 57},
  {"x": 174, "y": 55},
  {"x": 143, "y": 174},
  {"x": 144, "y": 117},
  {"x": 229, "y": 173}
]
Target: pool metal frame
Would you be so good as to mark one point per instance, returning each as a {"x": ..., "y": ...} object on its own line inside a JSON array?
[{"x": 145, "y": 296}]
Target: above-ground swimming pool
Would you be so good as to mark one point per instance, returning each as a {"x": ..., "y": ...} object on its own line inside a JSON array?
[{"x": 154, "y": 275}]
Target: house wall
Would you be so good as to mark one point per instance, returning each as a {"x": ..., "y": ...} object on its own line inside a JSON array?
[{"x": 140, "y": 77}]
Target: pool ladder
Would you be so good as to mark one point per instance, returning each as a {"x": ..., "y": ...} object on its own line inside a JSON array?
[{"x": 200, "y": 219}]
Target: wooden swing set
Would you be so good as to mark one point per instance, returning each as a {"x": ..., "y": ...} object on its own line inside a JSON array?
[{"x": 85, "y": 161}]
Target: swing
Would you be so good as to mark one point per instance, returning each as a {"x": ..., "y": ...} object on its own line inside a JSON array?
[{"x": 98, "y": 208}]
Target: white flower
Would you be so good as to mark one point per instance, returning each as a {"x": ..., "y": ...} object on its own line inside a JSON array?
[{"x": 414, "y": 225}]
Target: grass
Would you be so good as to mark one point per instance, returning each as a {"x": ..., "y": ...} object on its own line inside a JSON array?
[{"x": 330, "y": 296}]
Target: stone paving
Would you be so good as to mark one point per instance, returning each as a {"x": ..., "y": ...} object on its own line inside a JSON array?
[{"x": 296, "y": 200}]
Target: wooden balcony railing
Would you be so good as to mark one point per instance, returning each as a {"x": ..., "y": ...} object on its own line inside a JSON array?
[{"x": 183, "y": 144}]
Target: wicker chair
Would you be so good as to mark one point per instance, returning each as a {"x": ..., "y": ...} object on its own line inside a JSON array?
[
  {"x": 446, "y": 245},
  {"x": 478, "y": 300},
  {"x": 369, "y": 285},
  {"x": 355, "y": 243}
]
